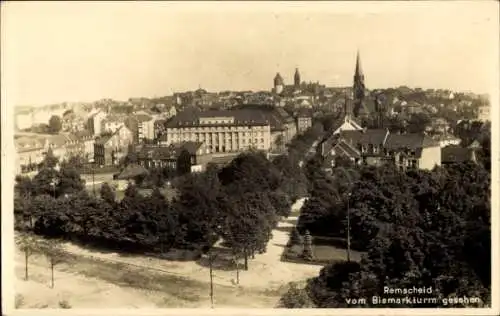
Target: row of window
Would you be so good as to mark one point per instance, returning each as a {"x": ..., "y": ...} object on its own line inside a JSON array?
[
  {"x": 219, "y": 128},
  {"x": 377, "y": 149},
  {"x": 226, "y": 134}
]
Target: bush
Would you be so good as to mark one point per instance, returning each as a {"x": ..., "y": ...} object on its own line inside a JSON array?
[
  {"x": 64, "y": 304},
  {"x": 296, "y": 297},
  {"x": 295, "y": 238},
  {"x": 19, "y": 301}
]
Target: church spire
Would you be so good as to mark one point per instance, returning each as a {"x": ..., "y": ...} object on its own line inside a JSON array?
[
  {"x": 359, "y": 71},
  {"x": 359, "y": 89},
  {"x": 296, "y": 78}
]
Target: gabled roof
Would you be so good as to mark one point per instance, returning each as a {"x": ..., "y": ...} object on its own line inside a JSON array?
[
  {"x": 345, "y": 149},
  {"x": 452, "y": 154},
  {"x": 412, "y": 141},
  {"x": 132, "y": 171},
  {"x": 171, "y": 151},
  {"x": 365, "y": 137},
  {"x": 191, "y": 147}
]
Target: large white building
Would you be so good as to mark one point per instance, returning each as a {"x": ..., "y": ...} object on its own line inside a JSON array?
[{"x": 221, "y": 131}]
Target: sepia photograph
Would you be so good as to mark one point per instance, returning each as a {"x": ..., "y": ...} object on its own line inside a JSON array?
[{"x": 249, "y": 156}]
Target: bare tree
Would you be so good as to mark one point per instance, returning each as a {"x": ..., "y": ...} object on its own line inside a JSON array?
[
  {"x": 55, "y": 253},
  {"x": 27, "y": 244}
]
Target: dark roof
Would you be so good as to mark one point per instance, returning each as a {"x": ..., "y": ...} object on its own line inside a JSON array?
[
  {"x": 346, "y": 149},
  {"x": 191, "y": 117},
  {"x": 365, "y": 137},
  {"x": 132, "y": 171},
  {"x": 412, "y": 141},
  {"x": 191, "y": 147},
  {"x": 172, "y": 151},
  {"x": 453, "y": 154}
]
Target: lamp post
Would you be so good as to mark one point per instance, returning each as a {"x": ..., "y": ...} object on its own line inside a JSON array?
[{"x": 93, "y": 175}]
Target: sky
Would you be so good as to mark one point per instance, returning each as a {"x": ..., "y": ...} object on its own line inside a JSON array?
[{"x": 85, "y": 51}]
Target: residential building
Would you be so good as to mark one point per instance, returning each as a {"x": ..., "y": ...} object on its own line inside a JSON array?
[
  {"x": 344, "y": 123},
  {"x": 378, "y": 146},
  {"x": 30, "y": 152},
  {"x": 304, "y": 120},
  {"x": 455, "y": 154},
  {"x": 167, "y": 156},
  {"x": 413, "y": 151},
  {"x": 109, "y": 149},
  {"x": 145, "y": 127},
  {"x": 94, "y": 122},
  {"x": 88, "y": 141},
  {"x": 220, "y": 130},
  {"x": 113, "y": 122}
]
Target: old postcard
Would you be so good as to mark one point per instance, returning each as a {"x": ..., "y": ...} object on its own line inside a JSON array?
[{"x": 250, "y": 157}]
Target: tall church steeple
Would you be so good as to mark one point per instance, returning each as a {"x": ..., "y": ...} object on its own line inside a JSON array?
[
  {"x": 358, "y": 72},
  {"x": 296, "y": 78},
  {"x": 359, "y": 89}
]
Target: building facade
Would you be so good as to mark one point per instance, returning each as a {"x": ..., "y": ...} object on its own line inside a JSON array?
[
  {"x": 377, "y": 147},
  {"x": 109, "y": 149},
  {"x": 94, "y": 122},
  {"x": 304, "y": 120},
  {"x": 167, "y": 156},
  {"x": 221, "y": 131}
]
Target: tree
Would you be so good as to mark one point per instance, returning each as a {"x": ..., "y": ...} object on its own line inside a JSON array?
[
  {"x": 23, "y": 186},
  {"x": 248, "y": 223},
  {"x": 280, "y": 202},
  {"x": 74, "y": 162},
  {"x": 55, "y": 124},
  {"x": 50, "y": 161},
  {"x": 184, "y": 162},
  {"x": 69, "y": 181},
  {"x": 107, "y": 193},
  {"x": 55, "y": 253},
  {"x": 26, "y": 244},
  {"x": 44, "y": 182}
]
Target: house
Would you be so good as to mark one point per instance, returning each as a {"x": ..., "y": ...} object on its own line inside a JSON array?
[
  {"x": 414, "y": 150},
  {"x": 376, "y": 147},
  {"x": 344, "y": 123},
  {"x": 88, "y": 141},
  {"x": 167, "y": 156},
  {"x": 110, "y": 148},
  {"x": 438, "y": 126},
  {"x": 30, "y": 152},
  {"x": 94, "y": 122},
  {"x": 69, "y": 121},
  {"x": 453, "y": 154},
  {"x": 304, "y": 120},
  {"x": 113, "y": 122}
]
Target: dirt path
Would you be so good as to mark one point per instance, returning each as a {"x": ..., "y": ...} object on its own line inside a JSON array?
[{"x": 90, "y": 278}]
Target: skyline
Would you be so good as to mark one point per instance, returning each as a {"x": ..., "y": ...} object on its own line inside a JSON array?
[{"x": 70, "y": 52}]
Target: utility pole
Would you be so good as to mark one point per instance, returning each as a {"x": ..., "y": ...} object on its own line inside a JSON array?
[
  {"x": 348, "y": 228},
  {"x": 210, "y": 260}
]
